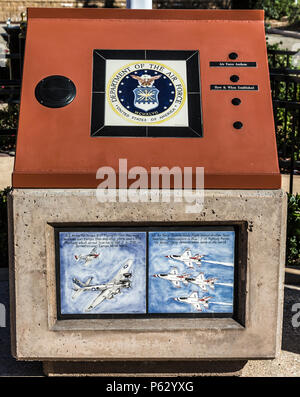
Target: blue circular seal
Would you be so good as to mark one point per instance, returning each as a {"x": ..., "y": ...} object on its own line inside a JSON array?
[{"x": 146, "y": 92}]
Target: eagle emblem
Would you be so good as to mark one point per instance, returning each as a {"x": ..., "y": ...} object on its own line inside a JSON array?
[
  {"x": 146, "y": 80},
  {"x": 145, "y": 94}
]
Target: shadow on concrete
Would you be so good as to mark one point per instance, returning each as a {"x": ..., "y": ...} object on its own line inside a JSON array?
[
  {"x": 8, "y": 365},
  {"x": 144, "y": 368},
  {"x": 290, "y": 333}
]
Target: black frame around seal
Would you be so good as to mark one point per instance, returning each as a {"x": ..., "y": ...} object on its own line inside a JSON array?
[
  {"x": 240, "y": 265},
  {"x": 194, "y": 128}
]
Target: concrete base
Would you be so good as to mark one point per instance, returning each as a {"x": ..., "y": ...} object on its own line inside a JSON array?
[
  {"x": 37, "y": 333},
  {"x": 143, "y": 368}
]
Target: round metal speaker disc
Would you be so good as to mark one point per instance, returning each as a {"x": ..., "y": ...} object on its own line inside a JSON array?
[{"x": 55, "y": 91}]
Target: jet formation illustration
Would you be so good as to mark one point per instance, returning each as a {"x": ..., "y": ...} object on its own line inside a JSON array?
[
  {"x": 187, "y": 258},
  {"x": 195, "y": 301},
  {"x": 108, "y": 290},
  {"x": 198, "y": 280},
  {"x": 177, "y": 278}
]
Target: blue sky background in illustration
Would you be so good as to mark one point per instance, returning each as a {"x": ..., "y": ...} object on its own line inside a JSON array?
[
  {"x": 115, "y": 248},
  {"x": 218, "y": 246}
]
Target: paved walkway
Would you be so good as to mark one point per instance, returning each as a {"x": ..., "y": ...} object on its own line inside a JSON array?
[
  {"x": 8, "y": 365},
  {"x": 288, "y": 363},
  {"x": 286, "y": 43},
  {"x": 6, "y": 168},
  {"x": 285, "y": 183}
]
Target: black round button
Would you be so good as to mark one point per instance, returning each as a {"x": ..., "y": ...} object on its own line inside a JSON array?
[
  {"x": 236, "y": 101},
  {"x": 233, "y": 55},
  {"x": 234, "y": 78},
  {"x": 55, "y": 91},
  {"x": 238, "y": 125}
]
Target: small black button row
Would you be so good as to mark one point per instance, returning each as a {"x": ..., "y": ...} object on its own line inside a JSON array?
[
  {"x": 235, "y": 101},
  {"x": 238, "y": 125},
  {"x": 234, "y": 78},
  {"x": 233, "y": 55}
]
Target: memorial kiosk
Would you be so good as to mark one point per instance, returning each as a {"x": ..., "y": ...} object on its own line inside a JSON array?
[{"x": 147, "y": 280}]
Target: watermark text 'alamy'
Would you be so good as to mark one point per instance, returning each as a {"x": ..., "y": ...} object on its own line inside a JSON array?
[{"x": 139, "y": 185}]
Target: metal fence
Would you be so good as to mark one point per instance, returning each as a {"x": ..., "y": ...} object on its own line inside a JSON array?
[
  {"x": 192, "y": 4},
  {"x": 285, "y": 87},
  {"x": 10, "y": 84}
]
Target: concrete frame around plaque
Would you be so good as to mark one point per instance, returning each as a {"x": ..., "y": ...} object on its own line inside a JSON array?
[{"x": 39, "y": 335}]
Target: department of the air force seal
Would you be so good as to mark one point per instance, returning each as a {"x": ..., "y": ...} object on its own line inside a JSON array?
[{"x": 146, "y": 92}]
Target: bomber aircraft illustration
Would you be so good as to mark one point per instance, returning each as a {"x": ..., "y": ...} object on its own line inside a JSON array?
[
  {"x": 174, "y": 277},
  {"x": 195, "y": 301},
  {"x": 89, "y": 257},
  {"x": 107, "y": 290},
  {"x": 202, "y": 282},
  {"x": 187, "y": 258}
]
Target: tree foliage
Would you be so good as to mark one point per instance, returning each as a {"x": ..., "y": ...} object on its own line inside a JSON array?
[
  {"x": 274, "y": 9},
  {"x": 293, "y": 230}
]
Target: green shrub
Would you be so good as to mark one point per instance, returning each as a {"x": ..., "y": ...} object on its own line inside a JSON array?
[
  {"x": 293, "y": 230},
  {"x": 276, "y": 9},
  {"x": 9, "y": 115}
]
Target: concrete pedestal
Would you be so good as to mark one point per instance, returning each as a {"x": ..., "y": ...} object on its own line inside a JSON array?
[{"x": 37, "y": 334}]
